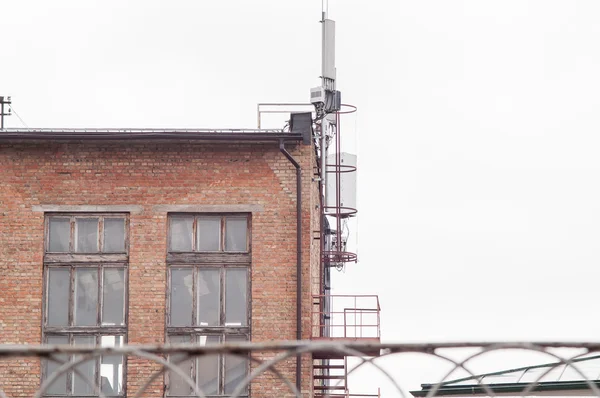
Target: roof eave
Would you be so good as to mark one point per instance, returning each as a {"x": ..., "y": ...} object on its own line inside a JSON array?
[
  {"x": 148, "y": 135},
  {"x": 477, "y": 389}
]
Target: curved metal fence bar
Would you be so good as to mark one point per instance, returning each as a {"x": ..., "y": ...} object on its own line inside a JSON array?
[
  {"x": 272, "y": 357},
  {"x": 267, "y": 366},
  {"x": 568, "y": 362},
  {"x": 170, "y": 366},
  {"x": 356, "y": 353},
  {"x": 529, "y": 347},
  {"x": 64, "y": 368},
  {"x": 457, "y": 365}
]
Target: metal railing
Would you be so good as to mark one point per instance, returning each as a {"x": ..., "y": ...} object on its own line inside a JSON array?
[
  {"x": 273, "y": 358},
  {"x": 346, "y": 316}
]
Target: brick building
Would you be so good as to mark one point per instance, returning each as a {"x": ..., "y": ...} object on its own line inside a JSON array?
[{"x": 154, "y": 236}]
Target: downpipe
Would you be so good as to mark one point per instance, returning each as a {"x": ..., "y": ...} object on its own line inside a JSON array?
[{"x": 298, "y": 259}]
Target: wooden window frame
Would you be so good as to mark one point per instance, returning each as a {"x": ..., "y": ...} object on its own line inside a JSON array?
[
  {"x": 98, "y": 261},
  {"x": 194, "y": 327},
  {"x": 97, "y": 362},
  {"x": 218, "y": 260},
  {"x": 72, "y": 255},
  {"x": 222, "y": 232},
  {"x": 100, "y": 267},
  {"x": 192, "y": 338}
]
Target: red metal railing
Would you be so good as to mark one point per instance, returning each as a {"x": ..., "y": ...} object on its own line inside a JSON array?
[{"x": 346, "y": 317}]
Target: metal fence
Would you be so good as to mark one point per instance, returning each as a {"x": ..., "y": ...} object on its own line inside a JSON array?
[{"x": 541, "y": 379}]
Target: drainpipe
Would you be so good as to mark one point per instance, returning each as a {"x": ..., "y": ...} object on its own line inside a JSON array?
[{"x": 298, "y": 258}]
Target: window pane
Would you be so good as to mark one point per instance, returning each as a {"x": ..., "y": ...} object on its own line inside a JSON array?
[
  {"x": 60, "y": 234},
  {"x": 85, "y": 380},
  {"x": 177, "y": 385},
  {"x": 208, "y": 368},
  {"x": 181, "y": 297},
  {"x": 58, "y": 296},
  {"x": 86, "y": 297},
  {"x": 235, "y": 234},
  {"x": 111, "y": 367},
  {"x": 181, "y": 234},
  {"x": 209, "y": 297},
  {"x": 86, "y": 232},
  {"x": 60, "y": 385},
  {"x": 114, "y": 235},
  {"x": 236, "y": 297},
  {"x": 113, "y": 306},
  {"x": 236, "y": 368},
  {"x": 209, "y": 234}
]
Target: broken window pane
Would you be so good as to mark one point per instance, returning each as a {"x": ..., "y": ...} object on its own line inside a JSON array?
[
  {"x": 113, "y": 306},
  {"x": 86, "y": 297},
  {"x": 60, "y": 235},
  {"x": 60, "y": 385},
  {"x": 235, "y": 234},
  {"x": 208, "y": 297},
  {"x": 181, "y": 297},
  {"x": 209, "y": 234},
  {"x": 84, "y": 381},
  {"x": 177, "y": 385},
  {"x": 58, "y": 296},
  {"x": 111, "y": 367},
  {"x": 236, "y": 368},
  {"x": 208, "y": 368},
  {"x": 235, "y": 297},
  {"x": 86, "y": 232},
  {"x": 114, "y": 235},
  {"x": 181, "y": 234}
]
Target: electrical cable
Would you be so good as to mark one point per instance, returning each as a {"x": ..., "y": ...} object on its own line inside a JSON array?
[{"x": 15, "y": 112}]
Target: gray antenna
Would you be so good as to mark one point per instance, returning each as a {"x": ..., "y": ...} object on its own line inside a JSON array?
[{"x": 326, "y": 98}]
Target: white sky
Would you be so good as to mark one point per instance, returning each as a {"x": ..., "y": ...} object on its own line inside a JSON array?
[{"x": 477, "y": 127}]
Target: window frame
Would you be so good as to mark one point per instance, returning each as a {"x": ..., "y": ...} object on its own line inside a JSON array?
[
  {"x": 70, "y": 327},
  {"x": 99, "y": 261},
  {"x": 73, "y": 238},
  {"x": 97, "y": 363},
  {"x": 194, "y": 327},
  {"x": 209, "y": 260},
  {"x": 193, "y": 338},
  {"x": 222, "y": 232}
]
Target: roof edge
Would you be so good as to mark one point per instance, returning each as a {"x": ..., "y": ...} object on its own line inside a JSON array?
[
  {"x": 61, "y": 134},
  {"x": 479, "y": 389}
]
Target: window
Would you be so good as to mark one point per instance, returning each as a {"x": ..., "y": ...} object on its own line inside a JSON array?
[
  {"x": 215, "y": 375},
  {"x": 208, "y": 298},
  {"x": 208, "y": 233},
  {"x": 86, "y": 234},
  {"x": 85, "y": 285}
]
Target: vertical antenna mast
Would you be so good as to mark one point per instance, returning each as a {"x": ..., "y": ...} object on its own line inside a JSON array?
[
  {"x": 3, "y": 101},
  {"x": 326, "y": 99}
]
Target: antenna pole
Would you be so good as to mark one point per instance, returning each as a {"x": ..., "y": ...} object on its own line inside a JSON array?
[
  {"x": 325, "y": 8},
  {"x": 7, "y": 101}
]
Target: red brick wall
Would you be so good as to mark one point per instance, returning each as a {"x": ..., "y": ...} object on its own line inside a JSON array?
[{"x": 152, "y": 174}]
